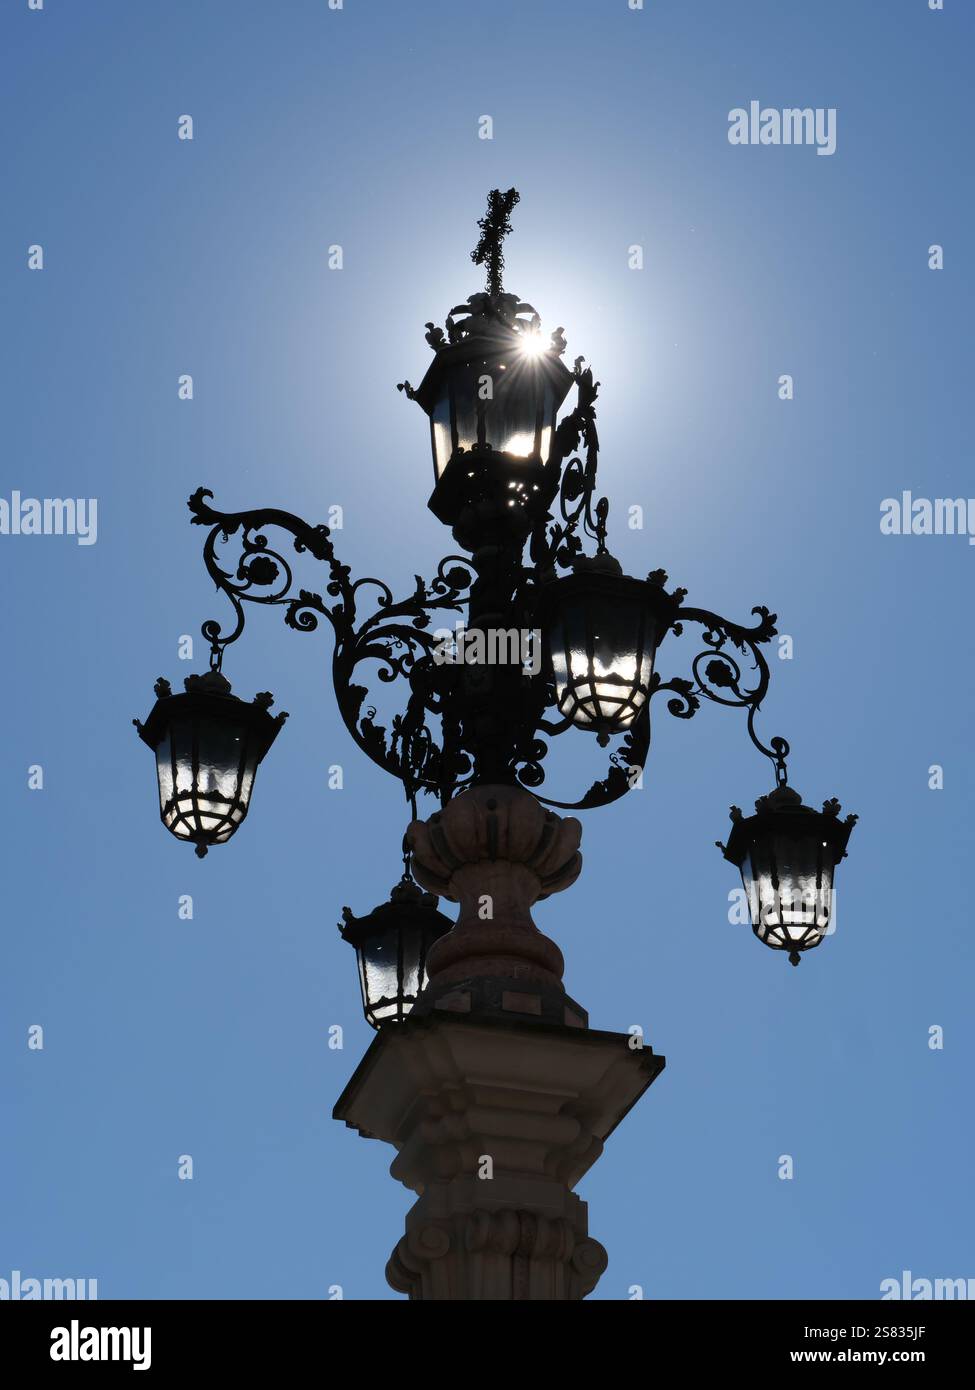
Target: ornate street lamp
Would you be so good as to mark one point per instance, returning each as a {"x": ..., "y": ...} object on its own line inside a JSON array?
[
  {"x": 391, "y": 945},
  {"x": 787, "y": 854},
  {"x": 208, "y": 743},
  {"x": 479, "y": 1051},
  {"x": 517, "y": 486}
]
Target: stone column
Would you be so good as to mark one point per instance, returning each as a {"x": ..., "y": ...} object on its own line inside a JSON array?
[{"x": 495, "y": 1091}]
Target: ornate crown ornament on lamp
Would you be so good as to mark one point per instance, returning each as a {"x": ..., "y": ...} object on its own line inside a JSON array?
[{"x": 517, "y": 487}]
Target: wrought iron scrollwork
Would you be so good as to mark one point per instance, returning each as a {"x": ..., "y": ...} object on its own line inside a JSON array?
[
  {"x": 626, "y": 764},
  {"x": 558, "y": 543},
  {"x": 395, "y": 635},
  {"x": 718, "y": 675},
  {"x": 518, "y": 486}
]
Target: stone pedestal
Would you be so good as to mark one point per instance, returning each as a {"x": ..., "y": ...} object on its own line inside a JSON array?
[
  {"x": 495, "y": 1092},
  {"x": 495, "y": 1122}
]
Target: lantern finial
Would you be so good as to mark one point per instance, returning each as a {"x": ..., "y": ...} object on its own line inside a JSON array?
[{"x": 495, "y": 226}]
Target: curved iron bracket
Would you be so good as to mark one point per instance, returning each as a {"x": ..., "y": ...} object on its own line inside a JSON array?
[
  {"x": 395, "y": 634},
  {"x": 574, "y": 484},
  {"x": 718, "y": 675}
]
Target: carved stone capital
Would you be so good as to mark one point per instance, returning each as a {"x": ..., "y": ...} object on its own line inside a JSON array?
[
  {"x": 509, "y": 1254},
  {"x": 496, "y": 851},
  {"x": 411, "y": 1258}
]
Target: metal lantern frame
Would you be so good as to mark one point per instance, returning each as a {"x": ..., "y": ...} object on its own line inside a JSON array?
[
  {"x": 202, "y": 816},
  {"x": 781, "y": 818},
  {"x": 604, "y": 704},
  {"x": 408, "y": 925},
  {"x": 486, "y": 354}
]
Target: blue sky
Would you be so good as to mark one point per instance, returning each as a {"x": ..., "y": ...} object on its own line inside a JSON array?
[{"x": 359, "y": 127}]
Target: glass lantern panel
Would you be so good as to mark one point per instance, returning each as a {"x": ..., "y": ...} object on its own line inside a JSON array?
[
  {"x": 443, "y": 440},
  {"x": 513, "y": 416},
  {"x": 789, "y": 887},
  {"x": 164, "y": 769},
  {"x": 463, "y": 386},
  {"x": 380, "y": 965},
  {"x": 221, "y": 745},
  {"x": 410, "y": 987},
  {"x": 603, "y": 663},
  {"x": 560, "y": 656},
  {"x": 549, "y": 411},
  {"x": 429, "y": 937},
  {"x": 246, "y": 781},
  {"x": 181, "y": 734}
]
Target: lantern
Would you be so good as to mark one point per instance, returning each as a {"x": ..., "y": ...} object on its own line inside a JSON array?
[
  {"x": 208, "y": 743},
  {"x": 787, "y": 854},
  {"x": 391, "y": 945},
  {"x": 492, "y": 393},
  {"x": 602, "y": 630}
]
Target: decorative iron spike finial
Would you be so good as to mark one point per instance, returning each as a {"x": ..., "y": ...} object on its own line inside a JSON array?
[{"x": 495, "y": 226}]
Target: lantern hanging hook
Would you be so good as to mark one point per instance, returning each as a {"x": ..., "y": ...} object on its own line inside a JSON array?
[
  {"x": 777, "y": 751},
  {"x": 780, "y": 751}
]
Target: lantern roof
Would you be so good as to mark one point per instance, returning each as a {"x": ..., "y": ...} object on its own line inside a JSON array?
[
  {"x": 782, "y": 811},
  {"x": 209, "y": 694},
  {"x": 408, "y": 904},
  {"x": 602, "y": 575},
  {"x": 492, "y": 325}
]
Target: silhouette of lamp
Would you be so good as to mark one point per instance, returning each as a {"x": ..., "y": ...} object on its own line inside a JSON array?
[
  {"x": 391, "y": 945},
  {"x": 493, "y": 389},
  {"x": 601, "y": 629},
  {"x": 787, "y": 854},
  {"x": 496, "y": 390},
  {"x": 208, "y": 744},
  {"x": 517, "y": 487}
]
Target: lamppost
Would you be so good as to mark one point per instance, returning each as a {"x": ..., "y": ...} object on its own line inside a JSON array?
[{"x": 484, "y": 1073}]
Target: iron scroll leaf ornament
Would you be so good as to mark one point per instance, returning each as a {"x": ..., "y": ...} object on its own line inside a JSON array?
[
  {"x": 717, "y": 673},
  {"x": 557, "y": 543},
  {"x": 626, "y": 764},
  {"x": 396, "y": 635}
]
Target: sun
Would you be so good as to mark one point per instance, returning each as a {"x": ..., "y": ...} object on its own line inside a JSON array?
[{"x": 531, "y": 344}]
